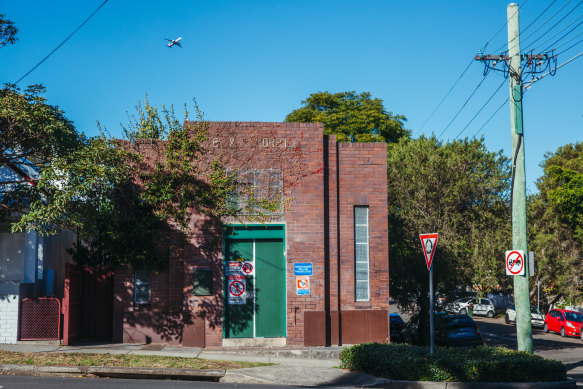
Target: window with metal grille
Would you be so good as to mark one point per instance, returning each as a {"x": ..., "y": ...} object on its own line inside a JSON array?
[
  {"x": 361, "y": 252},
  {"x": 142, "y": 292}
]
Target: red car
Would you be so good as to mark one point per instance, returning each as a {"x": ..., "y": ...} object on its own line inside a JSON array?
[{"x": 564, "y": 322}]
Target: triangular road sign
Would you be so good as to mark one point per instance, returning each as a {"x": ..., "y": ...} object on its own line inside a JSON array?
[{"x": 428, "y": 242}]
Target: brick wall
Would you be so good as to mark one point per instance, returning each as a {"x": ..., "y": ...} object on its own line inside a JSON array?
[
  {"x": 9, "y": 302},
  {"x": 323, "y": 181}
]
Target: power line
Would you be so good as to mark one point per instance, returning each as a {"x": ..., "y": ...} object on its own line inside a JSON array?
[
  {"x": 467, "y": 67},
  {"x": 62, "y": 43},
  {"x": 530, "y": 24},
  {"x": 483, "y": 106},
  {"x": 462, "y": 107},
  {"x": 490, "y": 118},
  {"x": 569, "y": 41},
  {"x": 560, "y": 20},
  {"x": 447, "y": 94},
  {"x": 570, "y": 47},
  {"x": 564, "y": 35},
  {"x": 529, "y": 85}
]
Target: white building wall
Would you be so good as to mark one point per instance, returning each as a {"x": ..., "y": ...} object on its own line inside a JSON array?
[{"x": 9, "y": 301}]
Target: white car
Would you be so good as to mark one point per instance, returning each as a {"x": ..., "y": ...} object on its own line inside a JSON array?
[
  {"x": 479, "y": 306},
  {"x": 536, "y": 318}
]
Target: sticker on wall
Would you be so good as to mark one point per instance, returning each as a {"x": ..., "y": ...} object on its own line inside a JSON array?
[
  {"x": 233, "y": 268},
  {"x": 236, "y": 288},
  {"x": 303, "y": 285},
  {"x": 302, "y": 269},
  {"x": 248, "y": 268}
]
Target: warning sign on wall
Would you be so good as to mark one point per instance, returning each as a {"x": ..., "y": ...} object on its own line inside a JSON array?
[
  {"x": 233, "y": 268},
  {"x": 237, "y": 292},
  {"x": 303, "y": 285}
]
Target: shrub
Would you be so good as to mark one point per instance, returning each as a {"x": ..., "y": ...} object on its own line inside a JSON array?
[{"x": 482, "y": 364}]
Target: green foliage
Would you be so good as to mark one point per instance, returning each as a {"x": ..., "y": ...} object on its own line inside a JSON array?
[
  {"x": 482, "y": 364},
  {"x": 459, "y": 190},
  {"x": 7, "y": 31},
  {"x": 33, "y": 130},
  {"x": 556, "y": 223},
  {"x": 351, "y": 117},
  {"x": 147, "y": 124}
]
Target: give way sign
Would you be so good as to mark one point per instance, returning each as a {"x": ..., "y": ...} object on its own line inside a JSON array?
[{"x": 428, "y": 242}]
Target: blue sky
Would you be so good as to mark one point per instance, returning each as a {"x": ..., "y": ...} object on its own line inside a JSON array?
[{"x": 257, "y": 60}]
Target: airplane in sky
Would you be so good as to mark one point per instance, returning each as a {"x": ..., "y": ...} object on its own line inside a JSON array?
[{"x": 172, "y": 42}]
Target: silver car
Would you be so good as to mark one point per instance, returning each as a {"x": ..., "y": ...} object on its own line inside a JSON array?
[
  {"x": 536, "y": 318},
  {"x": 479, "y": 306}
]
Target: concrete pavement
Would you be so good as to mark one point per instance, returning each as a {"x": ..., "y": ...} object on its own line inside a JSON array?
[{"x": 315, "y": 366}]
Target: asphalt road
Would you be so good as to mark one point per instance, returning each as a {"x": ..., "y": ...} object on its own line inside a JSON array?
[{"x": 552, "y": 346}]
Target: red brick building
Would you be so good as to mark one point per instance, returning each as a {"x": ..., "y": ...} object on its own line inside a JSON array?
[{"x": 316, "y": 274}]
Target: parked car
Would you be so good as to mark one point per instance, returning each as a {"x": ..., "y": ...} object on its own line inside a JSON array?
[
  {"x": 480, "y": 306},
  {"x": 396, "y": 325},
  {"x": 460, "y": 306},
  {"x": 536, "y": 318},
  {"x": 564, "y": 322},
  {"x": 450, "y": 331}
]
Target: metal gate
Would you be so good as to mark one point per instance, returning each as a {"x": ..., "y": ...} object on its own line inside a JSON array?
[{"x": 40, "y": 319}]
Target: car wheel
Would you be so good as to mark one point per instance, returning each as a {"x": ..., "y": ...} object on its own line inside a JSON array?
[
  {"x": 490, "y": 314},
  {"x": 581, "y": 333},
  {"x": 506, "y": 319},
  {"x": 563, "y": 333},
  {"x": 463, "y": 311},
  {"x": 546, "y": 328}
]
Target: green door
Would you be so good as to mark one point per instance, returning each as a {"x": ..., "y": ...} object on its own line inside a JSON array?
[
  {"x": 239, "y": 317},
  {"x": 269, "y": 289},
  {"x": 262, "y": 312}
]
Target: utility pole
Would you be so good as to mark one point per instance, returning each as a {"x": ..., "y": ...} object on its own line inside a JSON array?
[
  {"x": 513, "y": 68},
  {"x": 521, "y": 288}
]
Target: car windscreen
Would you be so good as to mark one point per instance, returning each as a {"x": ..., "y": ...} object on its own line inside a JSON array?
[
  {"x": 572, "y": 316},
  {"x": 453, "y": 322}
]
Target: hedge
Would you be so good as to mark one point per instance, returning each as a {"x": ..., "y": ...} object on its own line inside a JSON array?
[{"x": 481, "y": 364}]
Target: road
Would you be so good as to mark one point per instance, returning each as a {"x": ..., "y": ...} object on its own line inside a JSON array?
[{"x": 552, "y": 346}]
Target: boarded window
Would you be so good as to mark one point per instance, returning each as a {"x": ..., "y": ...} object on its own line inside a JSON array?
[
  {"x": 142, "y": 292},
  {"x": 361, "y": 252}
]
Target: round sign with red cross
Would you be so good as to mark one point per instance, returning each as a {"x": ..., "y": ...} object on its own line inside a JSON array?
[
  {"x": 236, "y": 288},
  {"x": 515, "y": 262}
]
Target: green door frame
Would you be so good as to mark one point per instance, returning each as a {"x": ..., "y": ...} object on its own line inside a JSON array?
[{"x": 255, "y": 231}]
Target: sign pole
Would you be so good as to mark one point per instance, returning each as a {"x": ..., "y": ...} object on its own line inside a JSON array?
[
  {"x": 428, "y": 243},
  {"x": 431, "y": 310}
]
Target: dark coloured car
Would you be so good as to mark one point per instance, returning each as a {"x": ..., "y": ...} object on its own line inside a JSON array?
[
  {"x": 450, "y": 331},
  {"x": 564, "y": 322},
  {"x": 396, "y": 325}
]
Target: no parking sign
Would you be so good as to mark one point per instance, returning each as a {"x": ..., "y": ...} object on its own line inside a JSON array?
[{"x": 515, "y": 262}]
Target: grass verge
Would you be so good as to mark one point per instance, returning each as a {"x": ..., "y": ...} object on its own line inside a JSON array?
[
  {"x": 115, "y": 360},
  {"x": 481, "y": 364}
]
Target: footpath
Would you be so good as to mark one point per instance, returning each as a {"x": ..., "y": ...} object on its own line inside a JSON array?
[{"x": 313, "y": 366}]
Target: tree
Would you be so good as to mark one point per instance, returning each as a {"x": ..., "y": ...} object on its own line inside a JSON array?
[
  {"x": 556, "y": 224},
  {"x": 459, "y": 190},
  {"x": 32, "y": 130},
  {"x": 120, "y": 205},
  {"x": 8, "y": 31},
  {"x": 351, "y": 117}
]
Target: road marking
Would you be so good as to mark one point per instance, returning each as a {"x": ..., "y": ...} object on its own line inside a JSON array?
[{"x": 499, "y": 336}]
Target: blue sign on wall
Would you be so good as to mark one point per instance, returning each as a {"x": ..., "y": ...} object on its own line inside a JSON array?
[{"x": 302, "y": 269}]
